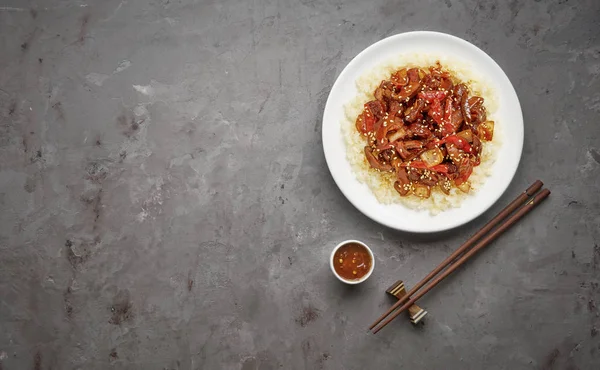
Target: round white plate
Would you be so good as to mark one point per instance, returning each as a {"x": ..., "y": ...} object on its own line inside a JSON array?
[{"x": 508, "y": 115}]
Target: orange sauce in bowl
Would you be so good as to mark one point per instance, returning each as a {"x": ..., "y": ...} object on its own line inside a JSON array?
[{"x": 352, "y": 261}]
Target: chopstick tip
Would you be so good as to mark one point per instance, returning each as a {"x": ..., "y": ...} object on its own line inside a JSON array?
[
  {"x": 537, "y": 185},
  {"x": 543, "y": 194}
]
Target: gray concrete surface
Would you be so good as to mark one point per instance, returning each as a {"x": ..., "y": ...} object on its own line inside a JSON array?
[{"x": 165, "y": 203}]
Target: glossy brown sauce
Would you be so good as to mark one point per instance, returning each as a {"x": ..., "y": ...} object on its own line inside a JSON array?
[
  {"x": 352, "y": 261},
  {"x": 426, "y": 127}
]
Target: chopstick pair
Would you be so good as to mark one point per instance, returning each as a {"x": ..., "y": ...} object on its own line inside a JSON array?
[{"x": 480, "y": 239}]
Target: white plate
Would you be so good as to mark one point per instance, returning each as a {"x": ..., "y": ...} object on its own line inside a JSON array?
[{"x": 508, "y": 115}]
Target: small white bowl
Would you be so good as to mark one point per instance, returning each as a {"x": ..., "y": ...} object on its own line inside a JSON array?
[{"x": 356, "y": 281}]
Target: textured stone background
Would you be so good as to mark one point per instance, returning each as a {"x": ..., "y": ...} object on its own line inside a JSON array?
[{"x": 165, "y": 202}]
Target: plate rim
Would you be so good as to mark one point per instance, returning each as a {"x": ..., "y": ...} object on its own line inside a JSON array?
[{"x": 381, "y": 220}]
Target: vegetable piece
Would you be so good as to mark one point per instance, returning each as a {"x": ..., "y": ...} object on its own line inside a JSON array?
[
  {"x": 430, "y": 96},
  {"x": 459, "y": 142},
  {"x": 466, "y": 134},
  {"x": 447, "y": 129},
  {"x": 420, "y": 190},
  {"x": 432, "y": 157},
  {"x": 400, "y": 133},
  {"x": 464, "y": 187},
  {"x": 365, "y": 122},
  {"x": 421, "y": 165},
  {"x": 435, "y": 112},
  {"x": 374, "y": 162},
  {"x": 434, "y": 98},
  {"x": 360, "y": 123},
  {"x": 486, "y": 130},
  {"x": 453, "y": 153},
  {"x": 441, "y": 168},
  {"x": 445, "y": 186},
  {"x": 415, "y": 164}
]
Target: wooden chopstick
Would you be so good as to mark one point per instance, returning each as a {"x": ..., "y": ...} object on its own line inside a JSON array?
[
  {"x": 484, "y": 242},
  {"x": 520, "y": 200}
]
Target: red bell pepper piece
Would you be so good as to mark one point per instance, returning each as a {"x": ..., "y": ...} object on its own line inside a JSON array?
[
  {"x": 460, "y": 143},
  {"x": 435, "y": 112},
  {"x": 430, "y": 96},
  {"x": 447, "y": 128},
  {"x": 365, "y": 122},
  {"x": 415, "y": 164},
  {"x": 442, "y": 168}
]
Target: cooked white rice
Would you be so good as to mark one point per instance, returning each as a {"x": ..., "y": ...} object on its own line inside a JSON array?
[{"x": 382, "y": 184}]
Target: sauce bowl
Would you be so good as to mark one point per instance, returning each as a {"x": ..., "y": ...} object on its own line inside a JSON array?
[{"x": 347, "y": 280}]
